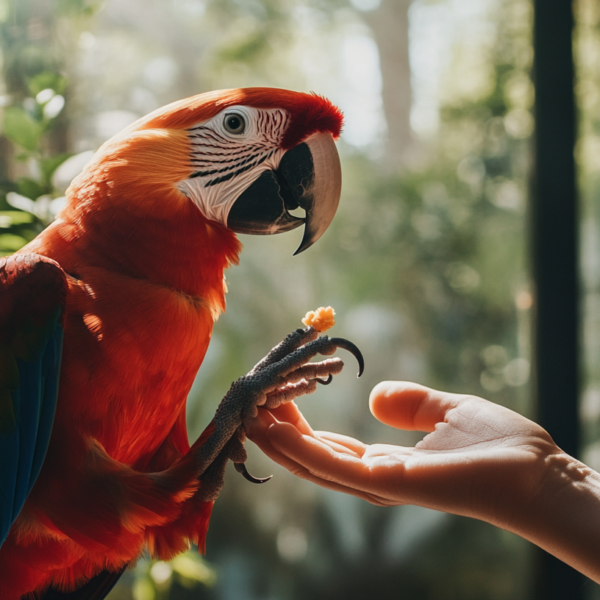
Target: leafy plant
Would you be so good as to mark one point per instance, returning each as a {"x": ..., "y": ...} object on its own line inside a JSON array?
[
  {"x": 153, "y": 580},
  {"x": 26, "y": 125}
]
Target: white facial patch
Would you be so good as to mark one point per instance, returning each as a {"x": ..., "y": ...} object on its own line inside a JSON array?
[{"x": 229, "y": 152}]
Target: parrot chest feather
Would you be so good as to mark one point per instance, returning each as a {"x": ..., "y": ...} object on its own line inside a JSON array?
[
  {"x": 132, "y": 349},
  {"x": 140, "y": 311}
]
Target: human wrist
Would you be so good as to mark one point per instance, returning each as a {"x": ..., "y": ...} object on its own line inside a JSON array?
[{"x": 562, "y": 515}]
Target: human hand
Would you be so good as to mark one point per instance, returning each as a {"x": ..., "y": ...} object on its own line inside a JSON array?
[{"x": 479, "y": 459}]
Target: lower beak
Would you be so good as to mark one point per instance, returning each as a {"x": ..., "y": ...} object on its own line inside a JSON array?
[{"x": 309, "y": 176}]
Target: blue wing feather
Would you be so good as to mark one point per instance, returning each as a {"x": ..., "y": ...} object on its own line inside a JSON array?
[
  {"x": 37, "y": 399},
  {"x": 32, "y": 298},
  {"x": 8, "y": 480},
  {"x": 51, "y": 371},
  {"x": 27, "y": 403},
  {"x": 25, "y": 447}
]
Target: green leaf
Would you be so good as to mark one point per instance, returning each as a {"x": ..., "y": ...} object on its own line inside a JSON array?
[
  {"x": 29, "y": 188},
  {"x": 21, "y": 129},
  {"x": 49, "y": 165},
  {"x": 17, "y": 217},
  {"x": 11, "y": 243},
  {"x": 45, "y": 80},
  {"x": 192, "y": 569}
]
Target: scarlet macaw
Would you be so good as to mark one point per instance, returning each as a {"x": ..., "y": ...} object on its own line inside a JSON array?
[{"x": 131, "y": 276}]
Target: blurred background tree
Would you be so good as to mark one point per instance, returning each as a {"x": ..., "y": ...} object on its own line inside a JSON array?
[{"x": 426, "y": 262}]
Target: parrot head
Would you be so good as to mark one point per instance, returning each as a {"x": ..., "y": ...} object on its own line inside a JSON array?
[{"x": 246, "y": 158}]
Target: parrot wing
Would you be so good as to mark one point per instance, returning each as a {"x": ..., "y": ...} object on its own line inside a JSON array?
[{"x": 33, "y": 292}]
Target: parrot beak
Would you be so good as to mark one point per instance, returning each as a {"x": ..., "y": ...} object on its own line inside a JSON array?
[{"x": 309, "y": 176}]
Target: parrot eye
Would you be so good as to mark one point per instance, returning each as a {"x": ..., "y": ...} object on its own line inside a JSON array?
[{"x": 234, "y": 123}]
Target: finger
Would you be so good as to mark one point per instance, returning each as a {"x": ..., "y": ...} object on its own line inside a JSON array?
[
  {"x": 290, "y": 413},
  {"x": 304, "y": 473},
  {"x": 342, "y": 440},
  {"x": 259, "y": 436},
  {"x": 321, "y": 459},
  {"x": 256, "y": 428},
  {"x": 316, "y": 460},
  {"x": 340, "y": 448},
  {"x": 410, "y": 406},
  {"x": 259, "y": 426}
]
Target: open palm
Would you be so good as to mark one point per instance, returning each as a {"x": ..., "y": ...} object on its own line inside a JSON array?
[{"x": 479, "y": 459}]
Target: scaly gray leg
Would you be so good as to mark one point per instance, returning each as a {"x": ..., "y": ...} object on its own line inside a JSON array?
[{"x": 283, "y": 375}]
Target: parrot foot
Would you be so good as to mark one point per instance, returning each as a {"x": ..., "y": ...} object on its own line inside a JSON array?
[{"x": 282, "y": 376}]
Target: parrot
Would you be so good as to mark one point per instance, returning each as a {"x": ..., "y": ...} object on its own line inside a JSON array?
[{"x": 105, "y": 318}]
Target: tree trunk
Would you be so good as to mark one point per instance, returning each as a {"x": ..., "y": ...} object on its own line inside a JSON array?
[{"x": 389, "y": 24}]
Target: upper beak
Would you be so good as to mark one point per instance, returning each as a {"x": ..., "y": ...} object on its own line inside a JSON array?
[{"x": 309, "y": 176}]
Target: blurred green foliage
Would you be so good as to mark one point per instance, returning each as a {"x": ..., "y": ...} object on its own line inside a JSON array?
[
  {"x": 153, "y": 580},
  {"x": 33, "y": 89}
]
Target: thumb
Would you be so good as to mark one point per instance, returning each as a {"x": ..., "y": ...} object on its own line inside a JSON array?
[{"x": 410, "y": 406}]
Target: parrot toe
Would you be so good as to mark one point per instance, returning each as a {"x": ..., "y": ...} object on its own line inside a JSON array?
[{"x": 283, "y": 375}]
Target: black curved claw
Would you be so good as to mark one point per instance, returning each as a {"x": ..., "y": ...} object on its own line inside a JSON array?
[
  {"x": 241, "y": 468},
  {"x": 325, "y": 381},
  {"x": 348, "y": 345}
]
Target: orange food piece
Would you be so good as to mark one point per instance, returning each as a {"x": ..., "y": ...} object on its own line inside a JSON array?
[{"x": 321, "y": 319}]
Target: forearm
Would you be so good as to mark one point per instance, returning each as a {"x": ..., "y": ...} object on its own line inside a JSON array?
[{"x": 563, "y": 517}]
